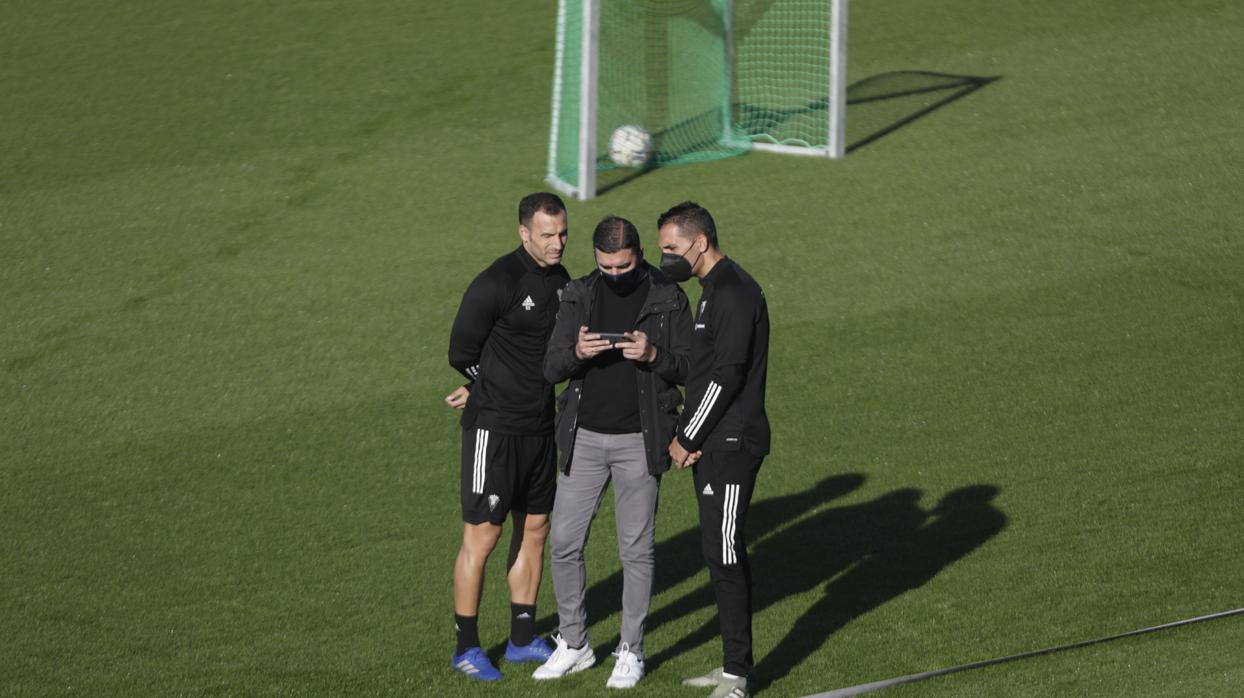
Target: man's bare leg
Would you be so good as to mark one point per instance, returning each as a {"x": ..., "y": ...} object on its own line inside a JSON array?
[
  {"x": 526, "y": 561},
  {"x": 478, "y": 541}
]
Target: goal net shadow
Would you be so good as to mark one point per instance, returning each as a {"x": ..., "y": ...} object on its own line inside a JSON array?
[
  {"x": 882, "y": 104},
  {"x": 876, "y": 107}
]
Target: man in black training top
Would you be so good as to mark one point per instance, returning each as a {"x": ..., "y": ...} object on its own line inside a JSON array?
[
  {"x": 723, "y": 432},
  {"x": 615, "y": 423},
  {"x": 508, "y": 456}
]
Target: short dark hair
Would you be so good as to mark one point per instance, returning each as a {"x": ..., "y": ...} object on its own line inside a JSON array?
[
  {"x": 614, "y": 234},
  {"x": 691, "y": 217},
  {"x": 542, "y": 201}
]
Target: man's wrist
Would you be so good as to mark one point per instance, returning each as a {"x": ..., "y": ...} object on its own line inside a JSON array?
[{"x": 681, "y": 442}]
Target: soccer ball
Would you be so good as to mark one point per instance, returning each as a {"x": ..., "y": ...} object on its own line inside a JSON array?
[{"x": 630, "y": 146}]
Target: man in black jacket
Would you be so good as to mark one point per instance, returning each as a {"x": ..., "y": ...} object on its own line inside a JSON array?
[
  {"x": 508, "y": 455},
  {"x": 616, "y": 419},
  {"x": 724, "y": 431}
]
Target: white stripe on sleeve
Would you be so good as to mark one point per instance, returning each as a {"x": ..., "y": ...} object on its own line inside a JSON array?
[{"x": 701, "y": 412}]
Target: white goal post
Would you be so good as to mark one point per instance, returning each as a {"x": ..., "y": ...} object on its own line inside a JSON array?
[{"x": 707, "y": 78}]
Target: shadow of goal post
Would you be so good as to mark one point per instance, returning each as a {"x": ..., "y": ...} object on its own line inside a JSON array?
[{"x": 706, "y": 79}]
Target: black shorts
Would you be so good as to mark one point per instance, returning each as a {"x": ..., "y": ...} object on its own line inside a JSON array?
[{"x": 503, "y": 473}]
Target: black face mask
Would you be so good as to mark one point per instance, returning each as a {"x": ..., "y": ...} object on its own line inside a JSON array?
[
  {"x": 676, "y": 267},
  {"x": 622, "y": 284}
]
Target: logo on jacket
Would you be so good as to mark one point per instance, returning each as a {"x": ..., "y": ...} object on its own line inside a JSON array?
[{"x": 528, "y": 304}]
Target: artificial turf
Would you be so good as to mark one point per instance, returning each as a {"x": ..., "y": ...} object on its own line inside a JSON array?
[{"x": 1007, "y": 370}]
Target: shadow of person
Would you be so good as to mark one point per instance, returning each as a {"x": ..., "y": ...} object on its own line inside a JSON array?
[
  {"x": 894, "y": 564},
  {"x": 798, "y": 558},
  {"x": 678, "y": 558}
]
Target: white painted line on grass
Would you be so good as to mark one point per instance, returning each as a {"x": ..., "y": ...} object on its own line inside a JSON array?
[{"x": 912, "y": 678}]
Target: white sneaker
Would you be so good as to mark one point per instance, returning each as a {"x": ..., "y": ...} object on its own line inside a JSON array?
[
  {"x": 565, "y": 661},
  {"x": 712, "y": 678},
  {"x": 628, "y": 670}
]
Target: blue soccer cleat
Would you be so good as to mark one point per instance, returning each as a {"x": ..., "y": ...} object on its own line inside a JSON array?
[
  {"x": 537, "y": 651},
  {"x": 474, "y": 663}
]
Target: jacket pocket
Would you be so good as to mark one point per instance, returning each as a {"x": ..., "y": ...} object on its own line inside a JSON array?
[
  {"x": 669, "y": 400},
  {"x": 667, "y": 412},
  {"x": 656, "y": 319}
]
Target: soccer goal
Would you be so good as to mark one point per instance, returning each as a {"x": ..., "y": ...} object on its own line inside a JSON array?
[{"x": 707, "y": 79}]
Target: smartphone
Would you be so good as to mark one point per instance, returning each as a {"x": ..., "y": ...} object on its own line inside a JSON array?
[{"x": 613, "y": 337}]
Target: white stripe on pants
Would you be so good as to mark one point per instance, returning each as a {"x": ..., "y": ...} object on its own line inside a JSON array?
[
  {"x": 481, "y": 461},
  {"x": 730, "y": 512}
]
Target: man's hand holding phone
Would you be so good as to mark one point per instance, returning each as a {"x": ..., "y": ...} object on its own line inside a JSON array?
[
  {"x": 634, "y": 344},
  {"x": 590, "y": 344},
  {"x": 635, "y": 347}
]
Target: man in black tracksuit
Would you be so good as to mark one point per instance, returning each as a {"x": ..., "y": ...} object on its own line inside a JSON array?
[
  {"x": 508, "y": 455},
  {"x": 723, "y": 432}
]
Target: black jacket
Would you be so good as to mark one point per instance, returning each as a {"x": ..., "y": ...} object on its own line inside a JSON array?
[
  {"x": 498, "y": 342},
  {"x": 666, "y": 319},
  {"x": 729, "y": 365}
]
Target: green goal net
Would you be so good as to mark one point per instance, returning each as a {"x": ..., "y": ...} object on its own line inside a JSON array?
[{"x": 705, "y": 79}]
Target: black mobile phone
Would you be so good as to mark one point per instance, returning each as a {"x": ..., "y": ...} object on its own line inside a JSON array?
[{"x": 613, "y": 337}]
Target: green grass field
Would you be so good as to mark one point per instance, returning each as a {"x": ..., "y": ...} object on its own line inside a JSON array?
[{"x": 1007, "y": 373}]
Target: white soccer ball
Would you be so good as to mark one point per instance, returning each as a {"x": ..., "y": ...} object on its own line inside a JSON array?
[{"x": 630, "y": 146}]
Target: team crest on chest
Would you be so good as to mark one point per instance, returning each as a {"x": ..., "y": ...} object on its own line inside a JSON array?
[{"x": 528, "y": 304}]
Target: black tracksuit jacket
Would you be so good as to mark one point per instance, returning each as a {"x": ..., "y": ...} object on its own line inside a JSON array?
[
  {"x": 729, "y": 362},
  {"x": 498, "y": 342}
]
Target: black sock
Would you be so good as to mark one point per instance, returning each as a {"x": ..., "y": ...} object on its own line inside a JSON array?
[
  {"x": 522, "y": 623},
  {"x": 467, "y": 628}
]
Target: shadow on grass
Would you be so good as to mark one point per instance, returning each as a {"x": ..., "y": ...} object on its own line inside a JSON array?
[
  {"x": 876, "y": 107},
  {"x": 882, "y": 104},
  {"x": 678, "y": 558},
  {"x": 862, "y": 555}
]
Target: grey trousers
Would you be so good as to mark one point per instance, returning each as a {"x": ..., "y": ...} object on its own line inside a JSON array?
[{"x": 597, "y": 458}]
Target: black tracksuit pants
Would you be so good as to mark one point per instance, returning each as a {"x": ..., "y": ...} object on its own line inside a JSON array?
[{"x": 724, "y": 481}]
